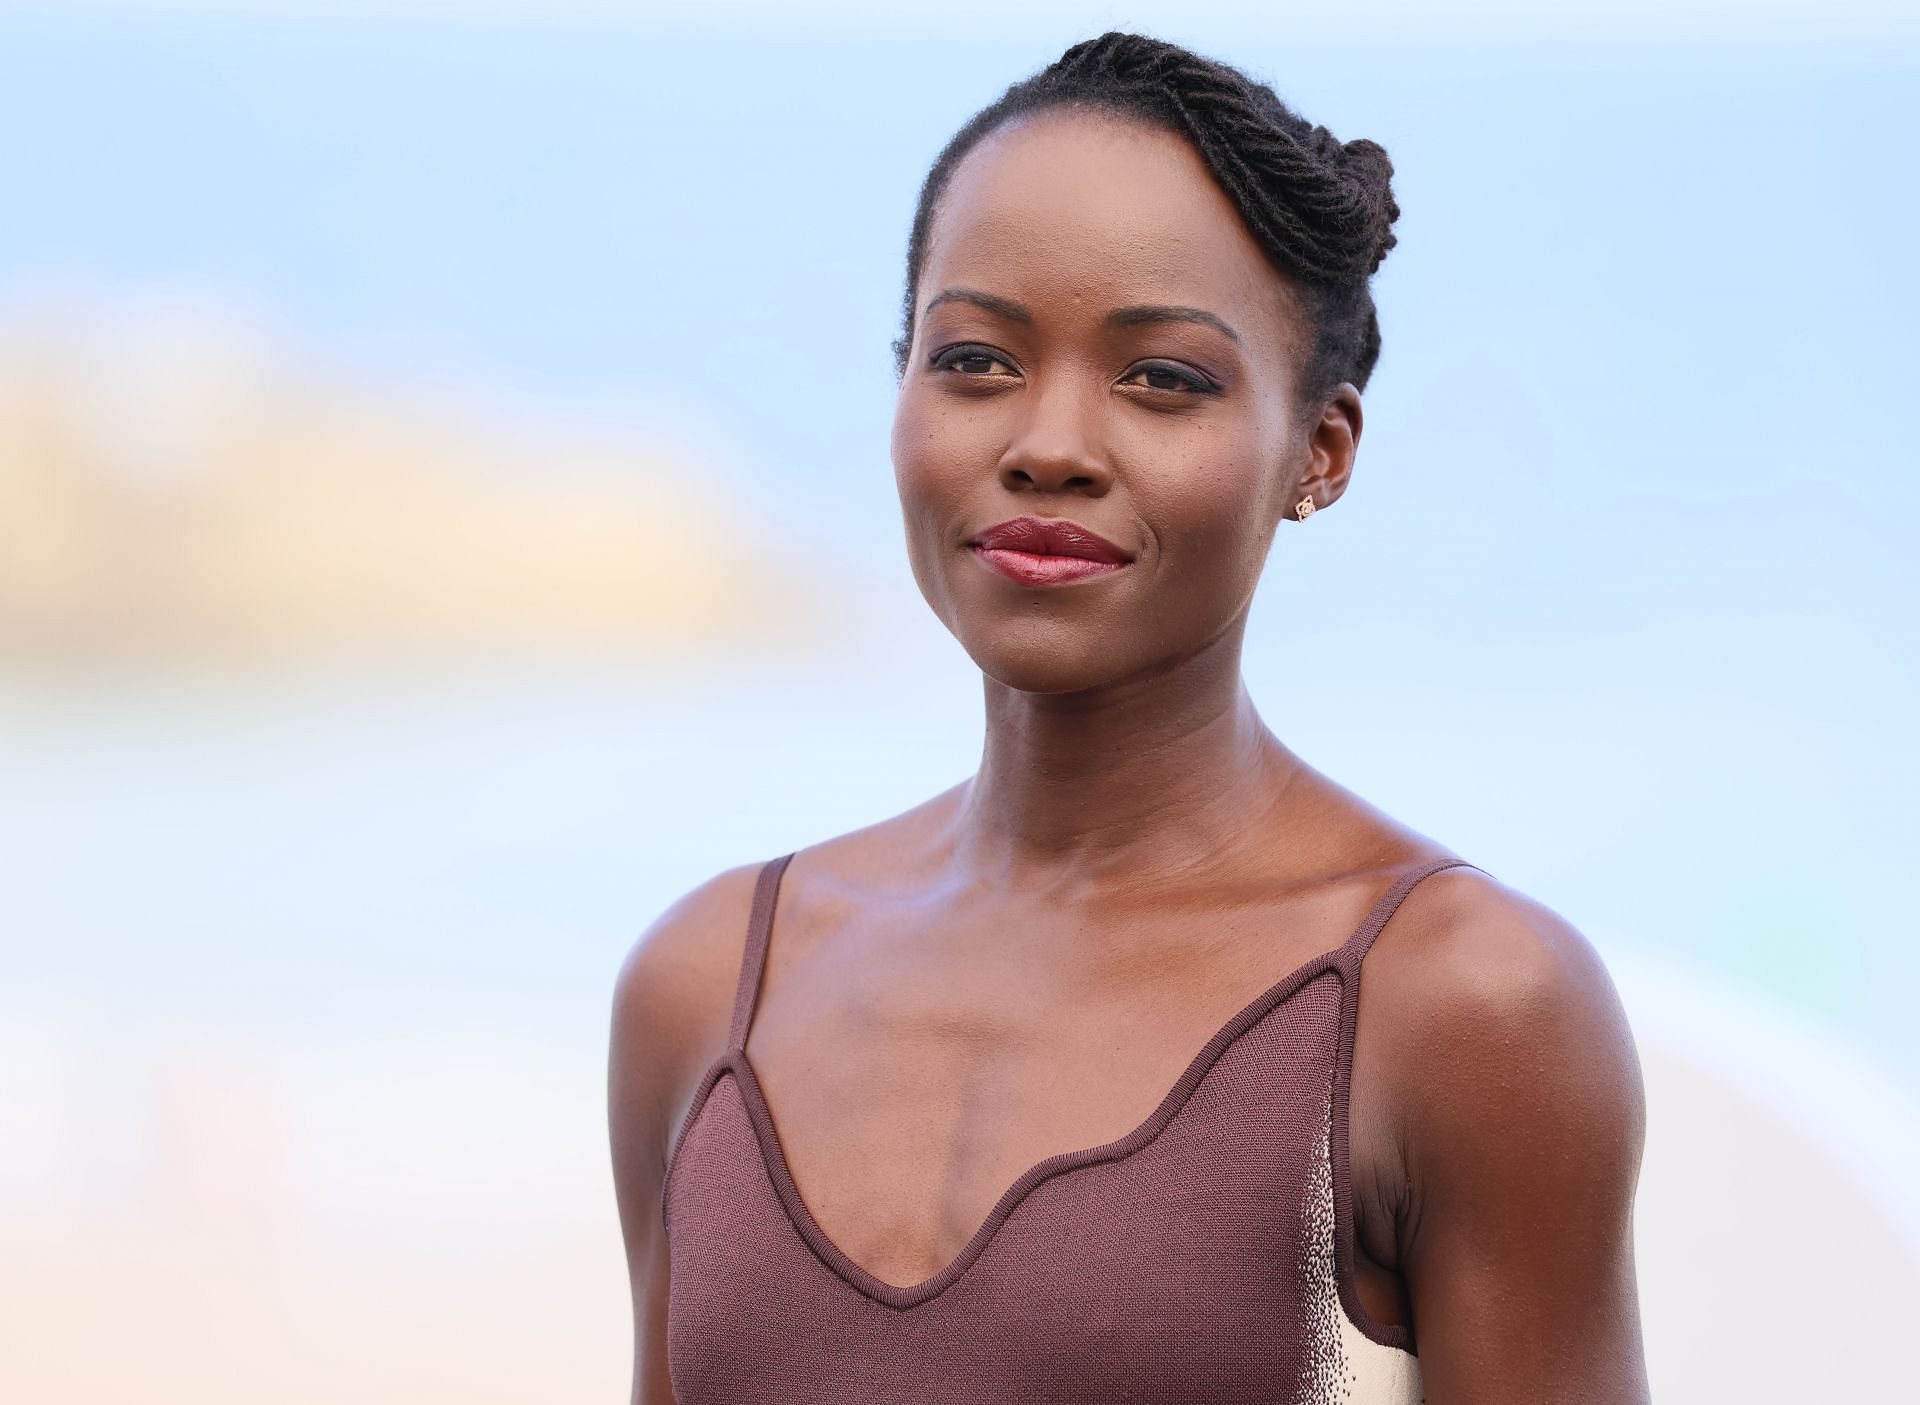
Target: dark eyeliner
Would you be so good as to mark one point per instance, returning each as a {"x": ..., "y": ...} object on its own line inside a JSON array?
[
  {"x": 1197, "y": 383},
  {"x": 941, "y": 359}
]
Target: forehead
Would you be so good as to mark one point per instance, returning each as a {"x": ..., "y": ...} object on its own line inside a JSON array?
[{"x": 1076, "y": 212}]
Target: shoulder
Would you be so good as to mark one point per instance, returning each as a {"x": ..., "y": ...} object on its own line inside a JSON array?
[
  {"x": 672, "y": 1002},
  {"x": 1466, "y": 950},
  {"x": 679, "y": 976},
  {"x": 1472, "y": 968},
  {"x": 1510, "y": 1129},
  {"x": 1500, "y": 1039}
]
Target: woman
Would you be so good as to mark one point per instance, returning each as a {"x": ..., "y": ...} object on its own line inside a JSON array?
[{"x": 1060, "y": 1085}]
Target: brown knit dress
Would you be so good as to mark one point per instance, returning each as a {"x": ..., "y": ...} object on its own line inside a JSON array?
[{"x": 1206, "y": 1256}]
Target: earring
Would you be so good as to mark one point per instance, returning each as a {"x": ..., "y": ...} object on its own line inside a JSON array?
[{"x": 1304, "y": 508}]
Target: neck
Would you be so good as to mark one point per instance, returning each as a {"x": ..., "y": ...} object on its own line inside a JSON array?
[{"x": 1148, "y": 777}]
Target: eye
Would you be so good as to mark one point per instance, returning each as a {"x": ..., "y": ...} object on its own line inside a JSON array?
[
  {"x": 970, "y": 360},
  {"x": 1164, "y": 375}
]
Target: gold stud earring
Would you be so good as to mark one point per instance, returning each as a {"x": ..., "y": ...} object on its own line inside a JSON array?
[{"x": 1304, "y": 508}]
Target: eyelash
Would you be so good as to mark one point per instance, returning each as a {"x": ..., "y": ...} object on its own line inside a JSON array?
[
  {"x": 1195, "y": 383},
  {"x": 944, "y": 360}
]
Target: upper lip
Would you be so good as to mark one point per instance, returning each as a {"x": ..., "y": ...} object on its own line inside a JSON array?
[{"x": 1049, "y": 536}]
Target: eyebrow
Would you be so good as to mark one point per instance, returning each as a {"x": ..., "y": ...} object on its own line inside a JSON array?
[
  {"x": 999, "y": 307},
  {"x": 1141, "y": 316},
  {"x": 1137, "y": 316}
]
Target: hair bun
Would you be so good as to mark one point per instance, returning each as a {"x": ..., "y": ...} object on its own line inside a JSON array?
[{"x": 1366, "y": 166}]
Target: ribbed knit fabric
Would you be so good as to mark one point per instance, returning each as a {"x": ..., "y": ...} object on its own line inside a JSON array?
[{"x": 1206, "y": 1256}]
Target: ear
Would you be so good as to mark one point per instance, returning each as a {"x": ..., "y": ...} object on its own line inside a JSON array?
[{"x": 1332, "y": 441}]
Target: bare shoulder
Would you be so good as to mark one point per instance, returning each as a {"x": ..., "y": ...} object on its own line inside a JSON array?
[
  {"x": 1511, "y": 1096},
  {"x": 672, "y": 1000},
  {"x": 1462, "y": 925},
  {"x": 1499, "y": 1048},
  {"x": 674, "y": 992},
  {"x": 673, "y": 996},
  {"x": 1472, "y": 966}
]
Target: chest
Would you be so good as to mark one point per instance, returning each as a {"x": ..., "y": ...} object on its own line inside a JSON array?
[
  {"x": 906, "y": 1101},
  {"x": 1195, "y": 1256}
]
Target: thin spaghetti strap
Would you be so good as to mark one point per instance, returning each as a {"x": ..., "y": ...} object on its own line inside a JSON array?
[
  {"x": 1345, "y": 1230},
  {"x": 1356, "y": 945},
  {"x": 753, "y": 960}
]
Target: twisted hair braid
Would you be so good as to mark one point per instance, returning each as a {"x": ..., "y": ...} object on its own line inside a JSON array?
[{"x": 1322, "y": 209}]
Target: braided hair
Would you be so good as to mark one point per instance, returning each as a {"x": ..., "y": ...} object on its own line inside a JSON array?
[{"x": 1322, "y": 209}]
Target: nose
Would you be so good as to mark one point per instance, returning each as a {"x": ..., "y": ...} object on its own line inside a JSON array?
[{"x": 1057, "y": 445}]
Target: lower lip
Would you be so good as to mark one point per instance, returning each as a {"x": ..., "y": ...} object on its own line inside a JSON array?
[{"x": 1029, "y": 568}]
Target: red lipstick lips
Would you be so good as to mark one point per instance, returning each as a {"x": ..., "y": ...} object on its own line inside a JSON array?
[{"x": 1047, "y": 551}]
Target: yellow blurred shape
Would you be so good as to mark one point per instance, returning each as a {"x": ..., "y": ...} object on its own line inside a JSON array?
[{"x": 178, "y": 491}]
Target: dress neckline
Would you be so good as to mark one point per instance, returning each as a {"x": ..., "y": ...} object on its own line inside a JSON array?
[
  {"x": 773, "y": 1154},
  {"x": 1344, "y": 959}
]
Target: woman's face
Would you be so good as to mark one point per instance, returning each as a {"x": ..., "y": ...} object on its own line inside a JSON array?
[{"x": 1100, "y": 340}]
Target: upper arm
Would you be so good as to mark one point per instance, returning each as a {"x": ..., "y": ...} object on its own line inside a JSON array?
[
  {"x": 1522, "y": 1125},
  {"x": 671, "y": 1003}
]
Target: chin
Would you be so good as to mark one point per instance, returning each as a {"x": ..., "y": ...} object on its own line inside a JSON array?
[{"x": 1041, "y": 660}]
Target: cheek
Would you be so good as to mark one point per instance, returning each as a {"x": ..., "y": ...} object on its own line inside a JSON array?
[
  {"x": 912, "y": 459},
  {"x": 909, "y": 446},
  {"x": 941, "y": 456},
  {"x": 1208, "y": 497},
  {"x": 928, "y": 476}
]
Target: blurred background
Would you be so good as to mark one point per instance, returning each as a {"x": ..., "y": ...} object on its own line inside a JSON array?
[{"x": 373, "y": 378}]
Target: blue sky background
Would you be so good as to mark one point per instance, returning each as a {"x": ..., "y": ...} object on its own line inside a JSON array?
[{"x": 1637, "y": 446}]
